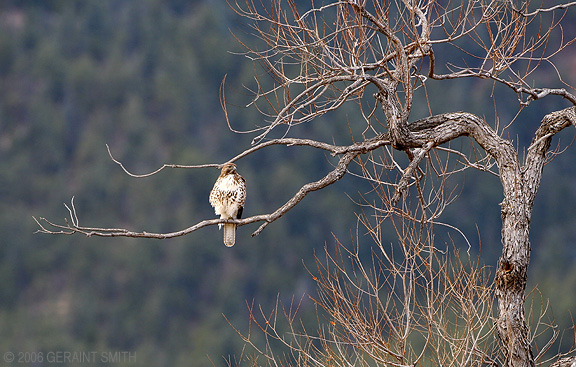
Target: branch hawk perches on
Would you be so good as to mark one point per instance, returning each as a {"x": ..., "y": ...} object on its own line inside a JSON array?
[{"x": 227, "y": 198}]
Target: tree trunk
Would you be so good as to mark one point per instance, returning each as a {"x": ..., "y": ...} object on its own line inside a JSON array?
[
  {"x": 520, "y": 184},
  {"x": 511, "y": 276}
]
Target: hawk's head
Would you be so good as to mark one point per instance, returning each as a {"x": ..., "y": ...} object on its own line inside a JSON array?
[{"x": 229, "y": 168}]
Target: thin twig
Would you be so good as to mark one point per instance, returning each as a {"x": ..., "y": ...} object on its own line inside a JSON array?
[{"x": 159, "y": 169}]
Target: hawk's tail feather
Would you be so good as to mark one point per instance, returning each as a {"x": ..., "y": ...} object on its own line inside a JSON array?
[{"x": 229, "y": 234}]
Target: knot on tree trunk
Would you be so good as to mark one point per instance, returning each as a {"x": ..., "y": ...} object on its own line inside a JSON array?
[{"x": 510, "y": 276}]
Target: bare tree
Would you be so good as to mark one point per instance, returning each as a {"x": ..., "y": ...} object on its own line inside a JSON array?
[{"x": 377, "y": 55}]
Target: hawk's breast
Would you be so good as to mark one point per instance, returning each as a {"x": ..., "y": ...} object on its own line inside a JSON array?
[{"x": 228, "y": 195}]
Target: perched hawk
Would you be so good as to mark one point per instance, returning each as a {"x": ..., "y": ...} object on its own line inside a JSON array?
[{"x": 227, "y": 198}]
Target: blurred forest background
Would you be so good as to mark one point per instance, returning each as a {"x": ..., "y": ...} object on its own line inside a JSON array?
[{"x": 144, "y": 77}]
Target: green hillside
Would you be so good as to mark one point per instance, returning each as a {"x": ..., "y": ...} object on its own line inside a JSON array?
[{"x": 144, "y": 78}]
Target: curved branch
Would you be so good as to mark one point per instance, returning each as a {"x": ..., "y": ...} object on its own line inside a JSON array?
[
  {"x": 551, "y": 124},
  {"x": 541, "y": 10},
  {"x": 327, "y": 180},
  {"x": 157, "y": 170},
  {"x": 334, "y": 149},
  {"x": 362, "y": 147},
  {"x": 72, "y": 225}
]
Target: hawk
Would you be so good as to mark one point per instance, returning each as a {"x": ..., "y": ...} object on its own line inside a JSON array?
[{"x": 227, "y": 197}]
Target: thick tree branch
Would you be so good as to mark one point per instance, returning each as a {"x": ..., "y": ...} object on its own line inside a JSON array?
[{"x": 551, "y": 124}]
